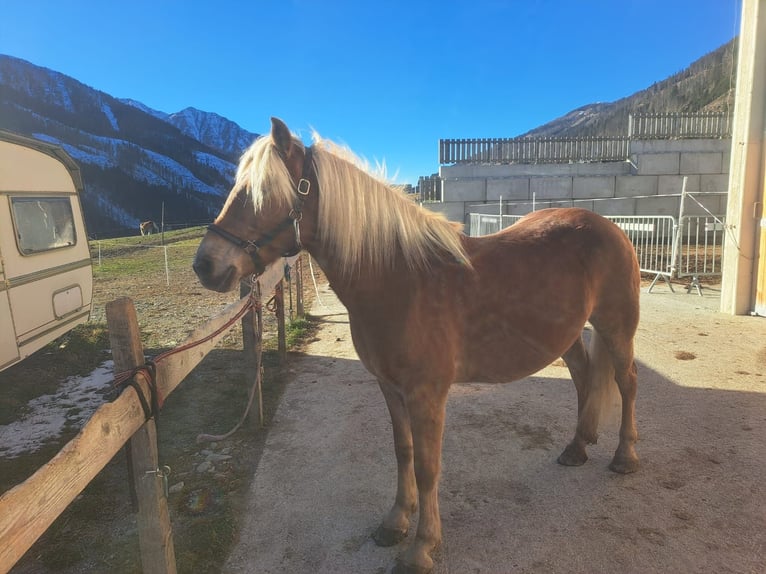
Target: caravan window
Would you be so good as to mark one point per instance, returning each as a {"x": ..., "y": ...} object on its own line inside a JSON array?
[{"x": 43, "y": 223}]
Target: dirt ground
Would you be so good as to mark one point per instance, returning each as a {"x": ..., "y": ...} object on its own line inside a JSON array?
[
  {"x": 98, "y": 532},
  {"x": 698, "y": 503}
]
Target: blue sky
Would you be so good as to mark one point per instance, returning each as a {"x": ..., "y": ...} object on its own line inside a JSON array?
[{"x": 387, "y": 78}]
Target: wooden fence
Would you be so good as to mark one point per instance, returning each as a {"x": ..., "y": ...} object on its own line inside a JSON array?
[
  {"x": 533, "y": 150},
  {"x": 29, "y": 508},
  {"x": 674, "y": 125},
  {"x": 680, "y": 125},
  {"x": 429, "y": 188}
]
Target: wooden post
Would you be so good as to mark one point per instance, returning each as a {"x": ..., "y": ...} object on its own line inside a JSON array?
[
  {"x": 252, "y": 342},
  {"x": 154, "y": 530},
  {"x": 299, "y": 286},
  {"x": 279, "y": 306}
]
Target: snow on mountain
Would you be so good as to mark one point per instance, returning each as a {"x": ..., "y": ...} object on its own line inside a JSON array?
[
  {"x": 146, "y": 109},
  {"x": 213, "y": 130},
  {"x": 133, "y": 159}
]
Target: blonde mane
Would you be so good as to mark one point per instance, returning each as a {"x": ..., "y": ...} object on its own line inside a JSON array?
[{"x": 361, "y": 220}]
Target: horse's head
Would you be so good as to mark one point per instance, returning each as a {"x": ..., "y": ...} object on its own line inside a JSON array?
[{"x": 263, "y": 217}]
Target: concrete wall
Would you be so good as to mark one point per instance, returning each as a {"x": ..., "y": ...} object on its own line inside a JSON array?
[{"x": 639, "y": 186}]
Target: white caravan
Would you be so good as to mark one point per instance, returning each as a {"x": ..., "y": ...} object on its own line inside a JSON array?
[{"x": 46, "y": 280}]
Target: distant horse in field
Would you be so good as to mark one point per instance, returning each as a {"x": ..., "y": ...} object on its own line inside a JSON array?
[
  {"x": 148, "y": 227},
  {"x": 500, "y": 307}
]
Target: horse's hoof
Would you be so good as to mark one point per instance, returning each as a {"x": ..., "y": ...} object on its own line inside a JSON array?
[
  {"x": 388, "y": 536},
  {"x": 572, "y": 456},
  {"x": 623, "y": 465},
  {"x": 402, "y": 568}
]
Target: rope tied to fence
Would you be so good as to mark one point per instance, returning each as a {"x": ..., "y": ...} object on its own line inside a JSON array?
[{"x": 148, "y": 370}]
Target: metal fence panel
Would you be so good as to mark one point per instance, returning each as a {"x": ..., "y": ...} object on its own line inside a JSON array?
[
  {"x": 652, "y": 237},
  {"x": 693, "y": 247},
  {"x": 700, "y": 245}
]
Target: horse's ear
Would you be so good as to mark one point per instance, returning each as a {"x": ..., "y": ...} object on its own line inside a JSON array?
[{"x": 281, "y": 136}]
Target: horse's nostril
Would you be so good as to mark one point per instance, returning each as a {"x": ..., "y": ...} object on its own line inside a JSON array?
[{"x": 201, "y": 266}]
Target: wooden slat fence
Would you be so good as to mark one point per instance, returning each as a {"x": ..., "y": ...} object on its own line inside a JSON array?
[
  {"x": 429, "y": 188},
  {"x": 680, "y": 125},
  {"x": 532, "y": 150},
  {"x": 673, "y": 125},
  {"x": 29, "y": 508}
]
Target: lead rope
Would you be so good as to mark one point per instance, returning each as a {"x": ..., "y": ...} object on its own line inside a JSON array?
[{"x": 257, "y": 382}]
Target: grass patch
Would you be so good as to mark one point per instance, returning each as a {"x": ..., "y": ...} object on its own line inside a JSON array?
[{"x": 296, "y": 331}]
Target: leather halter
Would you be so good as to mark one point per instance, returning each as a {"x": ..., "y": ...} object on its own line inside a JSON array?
[{"x": 252, "y": 247}]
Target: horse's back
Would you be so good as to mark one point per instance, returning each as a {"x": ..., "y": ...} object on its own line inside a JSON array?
[
  {"x": 538, "y": 282},
  {"x": 584, "y": 239}
]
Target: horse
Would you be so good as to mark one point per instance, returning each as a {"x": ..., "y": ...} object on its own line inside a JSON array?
[
  {"x": 148, "y": 227},
  {"x": 501, "y": 307}
]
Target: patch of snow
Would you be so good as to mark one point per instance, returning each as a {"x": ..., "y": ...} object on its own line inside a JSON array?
[
  {"x": 144, "y": 108},
  {"x": 220, "y": 165},
  {"x": 161, "y": 170},
  {"x": 75, "y": 401},
  {"x": 82, "y": 154},
  {"x": 110, "y": 116},
  {"x": 59, "y": 93}
]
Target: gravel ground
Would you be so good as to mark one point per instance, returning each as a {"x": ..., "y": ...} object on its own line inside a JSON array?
[{"x": 698, "y": 504}]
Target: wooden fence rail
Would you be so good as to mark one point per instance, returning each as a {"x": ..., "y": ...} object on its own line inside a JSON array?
[{"x": 29, "y": 508}]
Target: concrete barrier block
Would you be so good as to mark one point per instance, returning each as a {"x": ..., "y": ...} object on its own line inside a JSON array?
[
  {"x": 617, "y": 206},
  {"x": 518, "y": 208},
  {"x": 452, "y": 210},
  {"x": 550, "y": 188},
  {"x": 658, "y": 163},
  {"x": 464, "y": 189},
  {"x": 657, "y": 206},
  {"x": 679, "y": 145},
  {"x": 510, "y": 189},
  {"x": 602, "y": 168},
  {"x": 588, "y": 187},
  {"x": 726, "y": 161},
  {"x": 485, "y": 209},
  {"x": 669, "y": 184},
  {"x": 457, "y": 171},
  {"x": 634, "y": 185},
  {"x": 702, "y": 162},
  {"x": 715, "y": 204},
  {"x": 714, "y": 182}
]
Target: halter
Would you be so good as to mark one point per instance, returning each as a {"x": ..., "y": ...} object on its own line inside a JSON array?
[{"x": 293, "y": 218}]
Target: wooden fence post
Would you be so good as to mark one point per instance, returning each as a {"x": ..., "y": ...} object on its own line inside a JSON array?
[
  {"x": 279, "y": 307},
  {"x": 252, "y": 341},
  {"x": 154, "y": 531},
  {"x": 299, "y": 286}
]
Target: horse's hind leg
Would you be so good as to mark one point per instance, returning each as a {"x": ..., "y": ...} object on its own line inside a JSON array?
[
  {"x": 625, "y": 458},
  {"x": 616, "y": 344},
  {"x": 576, "y": 360},
  {"x": 396, "y": 523}
]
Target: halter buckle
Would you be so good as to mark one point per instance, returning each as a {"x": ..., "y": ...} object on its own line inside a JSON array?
[{"x": 304, "y": 186}]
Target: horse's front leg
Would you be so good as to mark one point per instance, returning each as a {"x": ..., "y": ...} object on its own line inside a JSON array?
[
  {"x": 397, "y": 521},
  {"x": 426, "y": 407}
]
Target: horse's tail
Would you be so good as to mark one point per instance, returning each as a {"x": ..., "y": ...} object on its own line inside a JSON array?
[{"x": 602, "y": 389}]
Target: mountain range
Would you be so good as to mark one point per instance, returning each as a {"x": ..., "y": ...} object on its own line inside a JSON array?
[
  {"x": 137, "y": 162},
  {"x": 133, "y": 159}
]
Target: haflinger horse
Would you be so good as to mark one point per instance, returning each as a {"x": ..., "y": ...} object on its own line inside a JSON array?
[{"x": 429, "y": 306}]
